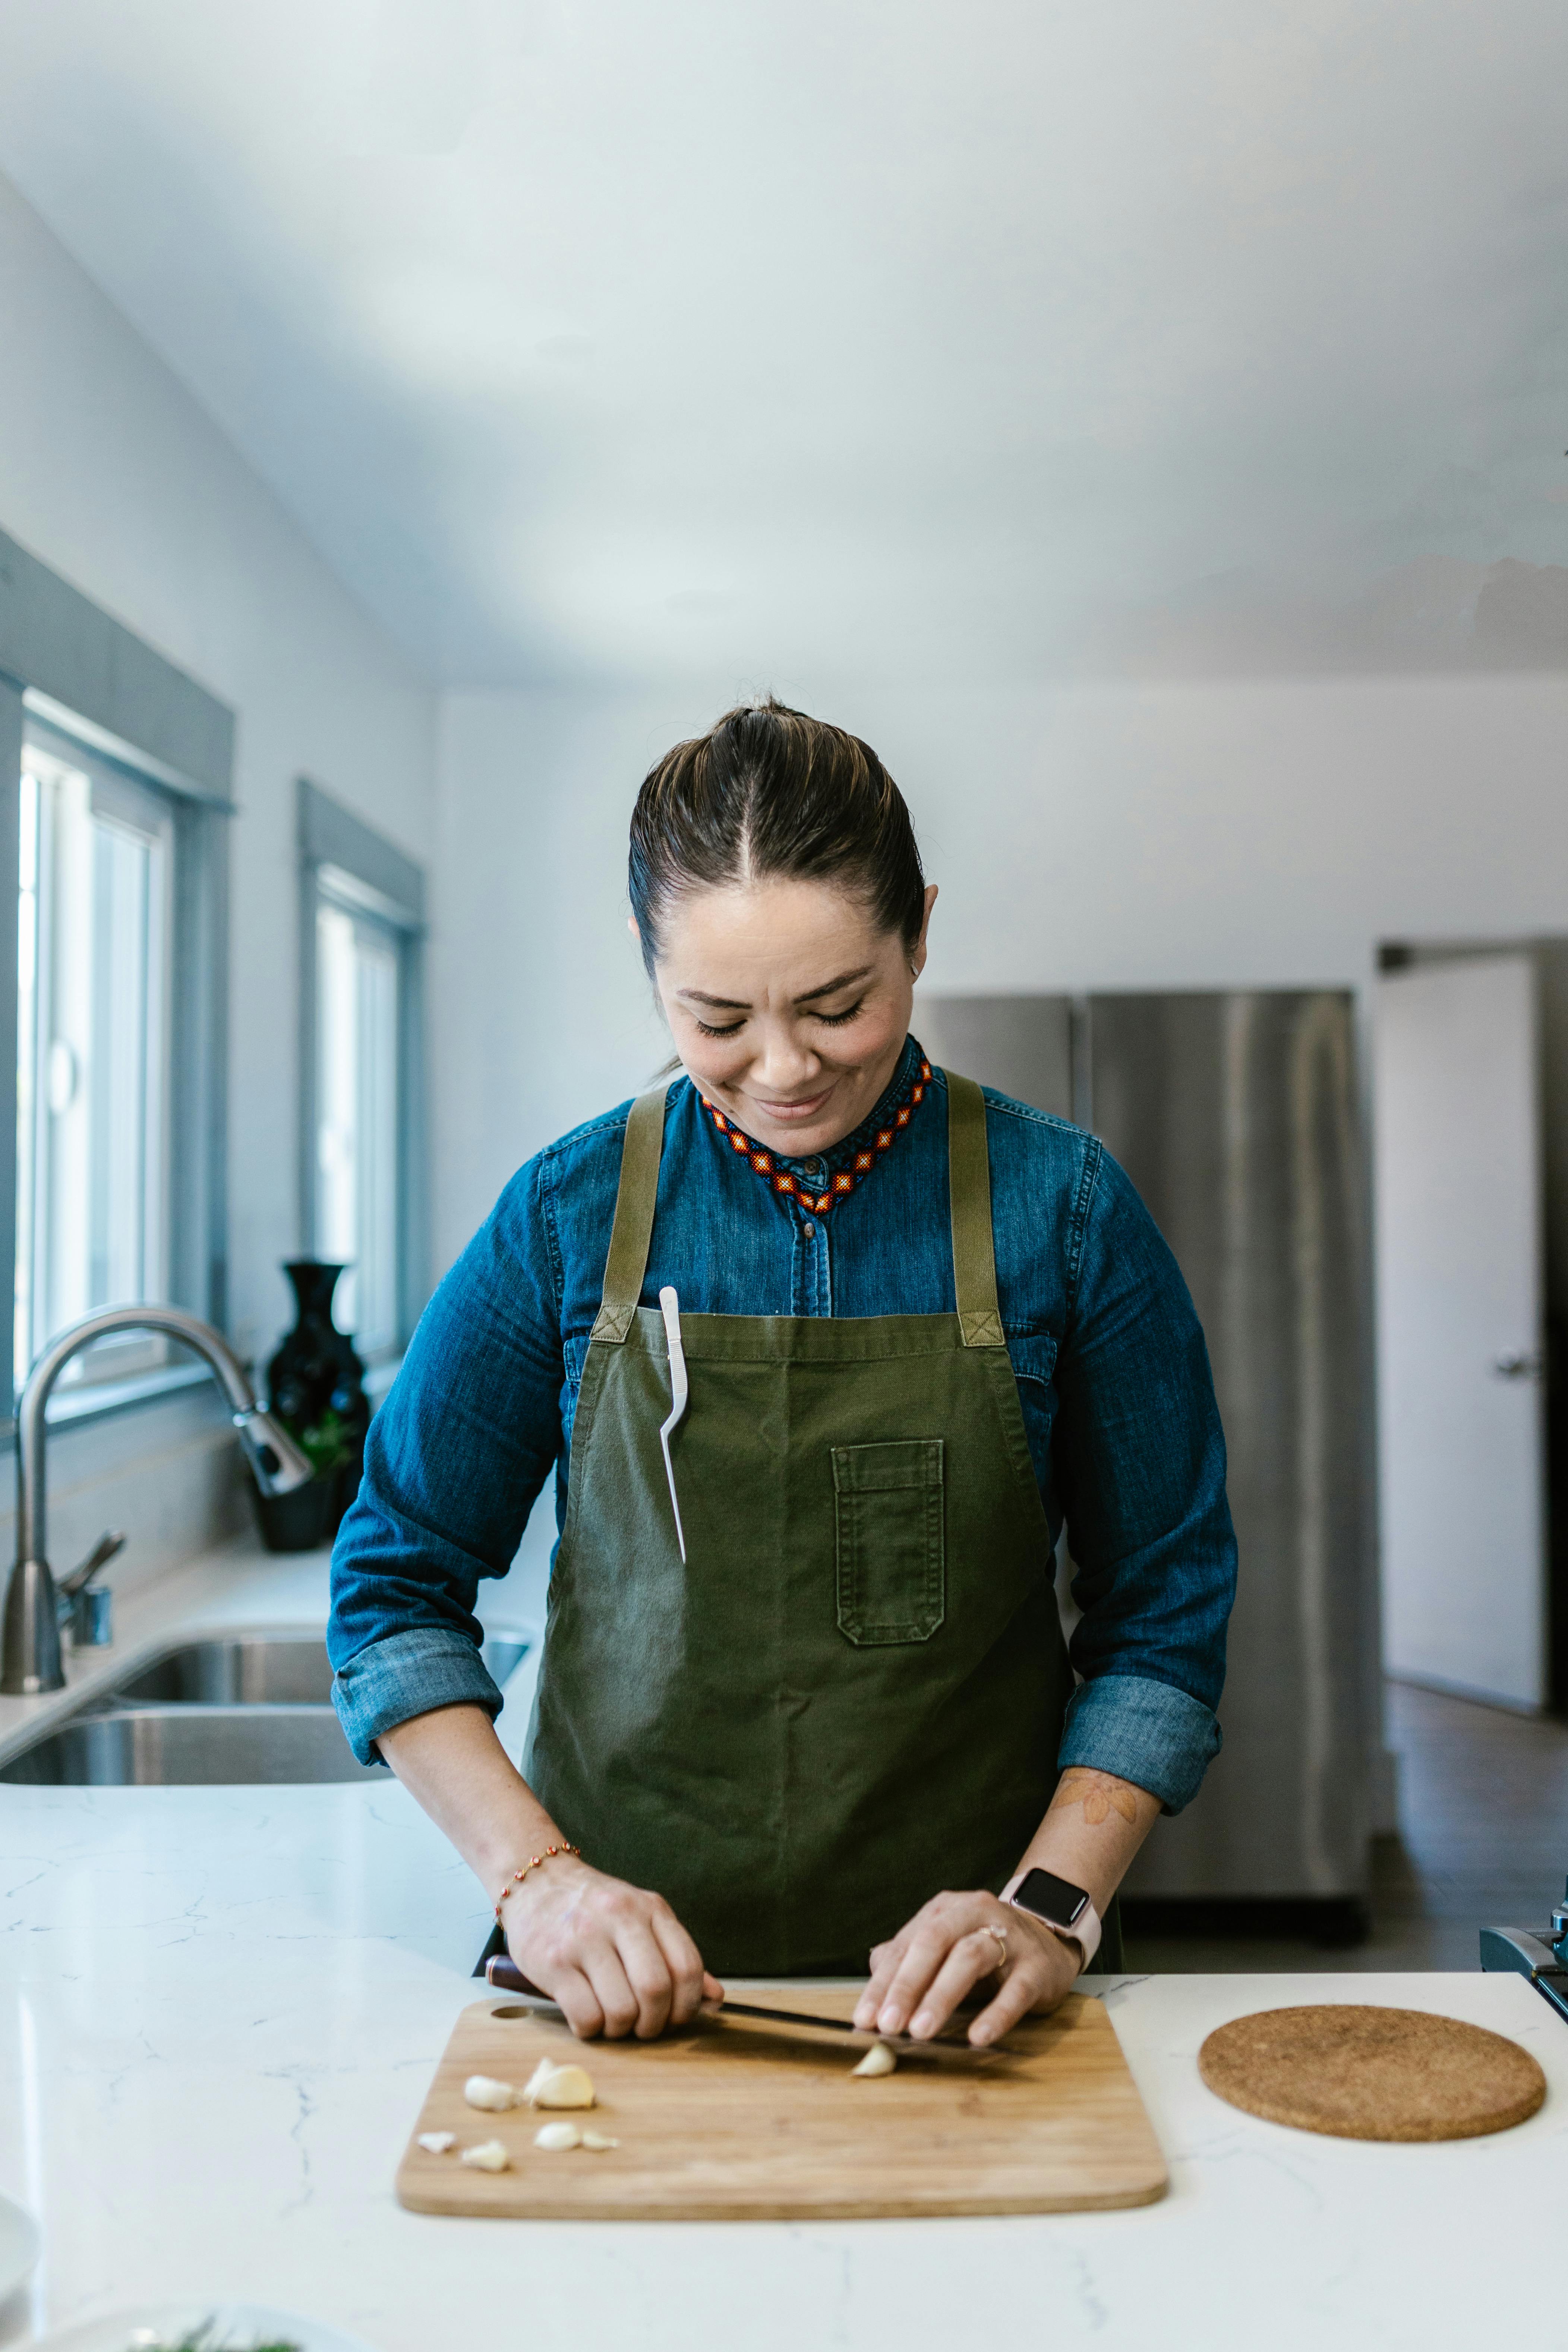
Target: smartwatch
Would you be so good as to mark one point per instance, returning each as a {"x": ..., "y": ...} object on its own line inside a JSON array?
[{"x": 1063, "y": 1907}]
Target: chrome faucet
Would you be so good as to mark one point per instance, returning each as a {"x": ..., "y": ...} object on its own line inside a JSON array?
[{"x": 30, "y": 1660}]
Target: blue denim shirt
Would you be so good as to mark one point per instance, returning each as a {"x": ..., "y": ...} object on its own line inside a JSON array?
[{"x": 1112, "y": 1375}]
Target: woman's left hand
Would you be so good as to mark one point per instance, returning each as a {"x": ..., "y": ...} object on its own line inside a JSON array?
[{"x": 953, "y": 1944}]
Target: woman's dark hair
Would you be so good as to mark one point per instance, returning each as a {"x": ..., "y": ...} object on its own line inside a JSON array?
[{"x": 769, "y": 791}]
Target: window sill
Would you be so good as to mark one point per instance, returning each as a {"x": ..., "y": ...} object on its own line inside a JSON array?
[
  {"x": 101, "y": 1397},
  {"x": 379, "y": 1377},
  {"x": 97, "y": 1400}
]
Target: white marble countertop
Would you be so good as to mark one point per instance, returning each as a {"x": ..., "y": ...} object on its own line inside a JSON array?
[{"x": 219, "y": 2008}]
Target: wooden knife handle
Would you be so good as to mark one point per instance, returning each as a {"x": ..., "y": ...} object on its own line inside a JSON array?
[{"x": 503, "y": 1975}]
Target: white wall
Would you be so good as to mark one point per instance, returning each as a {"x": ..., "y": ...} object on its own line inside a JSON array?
[
  {"x": 536, "y": 988},
  {"x": 113, "y": 475},
  {"x": 1202, "y": 833}
]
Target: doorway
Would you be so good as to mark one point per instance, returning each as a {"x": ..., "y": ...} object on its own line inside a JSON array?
[{"x": 1470, "y": 1127}]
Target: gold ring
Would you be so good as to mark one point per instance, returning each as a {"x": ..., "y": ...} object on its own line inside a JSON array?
[{"x": 1000, "y": 1935}]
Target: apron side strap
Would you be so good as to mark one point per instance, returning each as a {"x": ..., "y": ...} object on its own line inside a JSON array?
[
  {"x": 969, "y": 1181},
  {"x": 633, "y": 1228}
]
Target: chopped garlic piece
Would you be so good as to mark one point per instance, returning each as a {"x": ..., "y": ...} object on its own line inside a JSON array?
[
  {"x": 557, "y": 2136},
  {"x": 560, "y": 2087},
  {"x": 541, "y": 2073},
  {"x": 484, "y": 2091},
  {"x": 599, "y": 2140},
  {"x": 489, "y": 2157},
  {"x": 878, "y": 2060},
  {"x": 437, "y": 2142}
]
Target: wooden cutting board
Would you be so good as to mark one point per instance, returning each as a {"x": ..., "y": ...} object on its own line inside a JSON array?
[{"x": 757, "y": 2122}]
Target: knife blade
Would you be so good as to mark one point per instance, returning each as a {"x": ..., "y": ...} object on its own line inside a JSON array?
[{"x": 504, "y": 1976}]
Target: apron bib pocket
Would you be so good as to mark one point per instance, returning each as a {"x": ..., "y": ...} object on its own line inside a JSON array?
[{"x": 888, "y": 1509}]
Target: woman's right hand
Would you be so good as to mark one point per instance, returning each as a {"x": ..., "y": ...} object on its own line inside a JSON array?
[{"x": 614, "y": 1957}]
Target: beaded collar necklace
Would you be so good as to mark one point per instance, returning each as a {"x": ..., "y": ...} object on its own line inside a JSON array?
[{"x": 856, "y": 1168}]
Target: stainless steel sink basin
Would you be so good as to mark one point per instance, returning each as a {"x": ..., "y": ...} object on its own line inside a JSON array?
[
  {"x": 188, "y": 1745},
  {"x": 265, "y": 1670},
  {"x": 503, "y": 1653},
  {"x": 251, "y": 1670},
  {"x": 242, "y": 1711}
]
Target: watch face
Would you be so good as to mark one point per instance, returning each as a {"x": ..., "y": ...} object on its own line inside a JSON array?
[{"x": 1056, "y": 1900}]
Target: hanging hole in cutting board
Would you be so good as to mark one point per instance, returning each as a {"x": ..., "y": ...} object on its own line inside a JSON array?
[{"x": 744, "y": 2042}]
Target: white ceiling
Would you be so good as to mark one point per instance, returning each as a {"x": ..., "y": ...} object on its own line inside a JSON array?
[{"x": 774, "y": 339}]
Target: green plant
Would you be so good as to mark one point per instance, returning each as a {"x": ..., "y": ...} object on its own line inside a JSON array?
[
  {"x": 202, "y": 2339},
  {"x": 326, "y": 1444}
]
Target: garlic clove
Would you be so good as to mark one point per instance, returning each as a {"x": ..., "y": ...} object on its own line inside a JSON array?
[
  {"x": 561, "y": 2086},
  {"x": 489, "y": 2157},
  {"x": 541, "y": 2073},
  {"x": 484, "y": 2091},
  {"x": 878, "y": 2060},
  {"x": 598, "y": 2141},
  {"x": 557, "y": 2136},
  {"x": 437, "y": 2142}
]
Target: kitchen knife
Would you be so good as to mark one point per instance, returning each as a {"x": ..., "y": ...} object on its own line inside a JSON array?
[{"x": 504, "y": 1976}]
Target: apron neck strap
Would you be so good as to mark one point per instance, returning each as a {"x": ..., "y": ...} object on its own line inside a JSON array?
[
  {"x": 633, "y": 1228},
  {"x": 969, "y": 1182}
]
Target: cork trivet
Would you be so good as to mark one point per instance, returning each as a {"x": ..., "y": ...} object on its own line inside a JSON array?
[{"x": 1372, "y": 2073}]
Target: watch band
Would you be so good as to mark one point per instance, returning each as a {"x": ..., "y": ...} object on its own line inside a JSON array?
[{"x": 1084, "y": 1932}]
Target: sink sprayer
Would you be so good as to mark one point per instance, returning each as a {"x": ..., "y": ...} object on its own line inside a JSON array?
[{"x": 31, "y": 1661}]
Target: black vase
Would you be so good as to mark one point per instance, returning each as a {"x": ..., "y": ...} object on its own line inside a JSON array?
[{"x": 314, "y": 1372}]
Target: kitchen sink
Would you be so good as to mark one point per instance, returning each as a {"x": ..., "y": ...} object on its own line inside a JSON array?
[
  {"x": 265, "y": 1670},
  {"x": 243, "y": 1710},
  {"x": 503, "y": 1653},
  {"x": 251, "y": 1670},
  {"x": 189, "y": 1745}
]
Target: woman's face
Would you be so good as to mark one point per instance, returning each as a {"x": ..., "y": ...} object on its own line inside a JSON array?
[{"x": 788, "y": 1007}]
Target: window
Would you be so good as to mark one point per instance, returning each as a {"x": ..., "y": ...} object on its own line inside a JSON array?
[
  {"x": 356, "y": 1119},
  {"x": 360, "y": 1161},
  {"x": 114, "y": 808},
  {"x": 93, "y": 950}
]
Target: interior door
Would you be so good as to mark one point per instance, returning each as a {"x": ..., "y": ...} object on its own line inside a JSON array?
[{"x": 1457, "y": 1119}]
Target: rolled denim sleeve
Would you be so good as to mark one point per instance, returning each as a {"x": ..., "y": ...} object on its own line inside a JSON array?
[
  {"x": 1149, "y": 1733},
  {"x": 405, "y": 1675},
  {"x": 1139, "y": 1462},
  {"x": 453, "y": 1460}
]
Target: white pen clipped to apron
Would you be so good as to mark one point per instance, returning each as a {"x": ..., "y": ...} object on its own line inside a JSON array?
[{"x": 677, "y": 1395}]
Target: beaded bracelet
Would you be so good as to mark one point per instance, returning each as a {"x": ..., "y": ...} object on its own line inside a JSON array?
[{"x": 532, "y": 1863}]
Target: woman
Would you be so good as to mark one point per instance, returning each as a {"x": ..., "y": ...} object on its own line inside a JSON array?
[{"x": 803, "y": 1693}]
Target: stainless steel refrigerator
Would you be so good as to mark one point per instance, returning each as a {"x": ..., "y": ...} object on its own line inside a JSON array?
[{"x": 1237, "y": 1115}]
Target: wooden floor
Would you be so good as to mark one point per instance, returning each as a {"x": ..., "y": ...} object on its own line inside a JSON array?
[{"x": 1483, "y": 1839}]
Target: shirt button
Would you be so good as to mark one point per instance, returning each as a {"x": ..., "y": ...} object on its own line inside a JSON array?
[{"x": 810, "y": 1231}]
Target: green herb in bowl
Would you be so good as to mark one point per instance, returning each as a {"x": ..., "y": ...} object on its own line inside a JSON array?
[{"x": 203, "y": 2339}]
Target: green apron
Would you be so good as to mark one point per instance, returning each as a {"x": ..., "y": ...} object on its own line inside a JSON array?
[{"x": 850, "y": 1694}]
